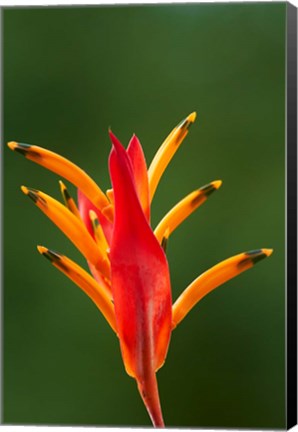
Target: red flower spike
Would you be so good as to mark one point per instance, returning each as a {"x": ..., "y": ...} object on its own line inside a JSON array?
[
  {"x": 140, "y": 285},
  {"x": 139, "y": 167},
  {"x": 133, "y": 289}
]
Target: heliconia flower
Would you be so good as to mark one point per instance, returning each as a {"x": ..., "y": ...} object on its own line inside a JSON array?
[{"x": 130, "y": 282}]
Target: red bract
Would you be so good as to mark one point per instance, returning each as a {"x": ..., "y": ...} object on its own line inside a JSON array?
[
  {"x": 131, "y": 281},
  {"x": 140, "y": 282}
]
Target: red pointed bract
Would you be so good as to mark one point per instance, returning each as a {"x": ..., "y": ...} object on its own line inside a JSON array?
[
  {"x": 140, "y": 284},
  {"x": 139, "y": 167}
]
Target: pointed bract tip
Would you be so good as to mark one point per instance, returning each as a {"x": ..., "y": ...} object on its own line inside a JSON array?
[
  {"x": 187, "y": 122},
  {"x": 258, "y": 252},
  {"x": 116, "y": 143},
  {"x": 254, "y": 256},
  {"x": 93, "y": 215},
  {"x": 94, "y": 220},
  {"x": 19, "y": 147},
  {"x": 217, "y": 184},
  {"x": 41, "y": 249},
  {"x": 12, "y": 145},
  {"x": 209, "y": 188},
  {"x": 191, "y": 118},
  {"x": 62, "y": 185},
  {"x": 34, "y": 195},
  {"x": 52, "y": 256}
]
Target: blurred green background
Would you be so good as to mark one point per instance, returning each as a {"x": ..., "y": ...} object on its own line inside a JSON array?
[{"x": 69, "y": 74}]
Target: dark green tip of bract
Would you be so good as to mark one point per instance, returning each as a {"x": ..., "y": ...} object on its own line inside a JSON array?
[
  {"x": 207, "y": 189},
  {"x": 33, "y": 195},
  {"x": 254, "y": 252},
  {"x": 66, "y": 194},
  {"x": 96, "y": 222},
  {"x": 164, "y": 243},
  {"x": 52, "y": 255},
  {"x": 55, "y": 258},
  {"x": 252, "y": 257},
  {"x": 22, "y": 148},
  {"x": 197, "y": 200},
  {"x": 185, "y": 124},
  {"x": 256, "y": 255}
]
